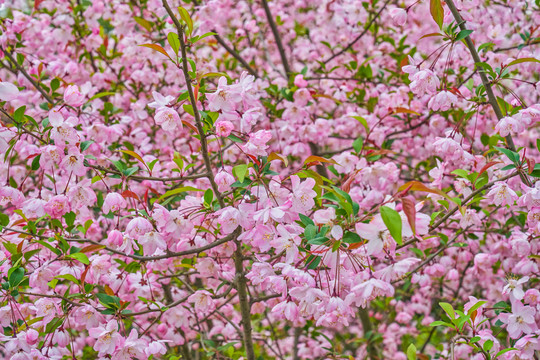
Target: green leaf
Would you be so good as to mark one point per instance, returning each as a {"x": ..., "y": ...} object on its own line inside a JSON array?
[
  {"x": 513, "y": 156},
  {"x": 184, "y": 14},
  {"x": 310, "y": 232},
  {"x": 144, "y": 23},
  {"x": 178, "y": 191},
  {"x": 362, "y": 121},
  {"x": 16, "y": 277},
  {"x": 504, "y": 351},
  {"x": 80, "y": 257},
  {"x": 476, "y": 306},
  {"x": 463, "y": 34},
  {"x": 68, "y": 277},
  {"x": 437, "y": 12},
  {"x": 351, "y": 238},
  {"x": 523, "y": 60},
  {"x": 35, "y": 162},
  {"x": 70, "y": 218},
  {"x": 411, "y": 352},
  {"x": 108, "y": 300},
  {"x": 55, "y": 84},
  {"x": 4, "y": 219},
  {"x": 441, "y": 323},
  {"x": 448, "y": 309},
  {"x": 488, "y": 345},
  {"x": 306, "y": 220},
  {"x": 393, "y": 222},
  {"x": 240, "y": 171},
  {"x": 86, "y": 144},
  {"x": 358, "y": 144},
  {"x": 172, "y": 38},
  {"x": 101, "y": 94}
]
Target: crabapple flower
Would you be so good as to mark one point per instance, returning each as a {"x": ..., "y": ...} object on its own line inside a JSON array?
[
  {"x": 442, "y": 101},
  {"x": 107, "y": 337},
  {"x": 399, "y": 16},
  {"x": 509, "y": 125},
  {"x": 225, "y": 98},
  {"x": 515, "y": 288},
  {"x": 521, "y": 321},
  {"x": 224, "y": 128},
  {"x": 130, "y": 348},
  {"x": 8, "y": 91},
  {"x": 424, "y": 81},
  {"x": 113, "y": 202},
  {"x": 73, "y": 97},
  {"x": 57, "y": 206},
  {"x": 502, "y": 194},
  {"x": 168, "y": 119},
  {"x": 160, "y": 101},
  {"x": 257, "y": 143},
  {"x": 73, "y": 162},
  {"x": 302, "y": 194},
  {"x": 224, "y": 180},
  {"x": 286, "y": 310},
  {"x": 202, "y": 300}
]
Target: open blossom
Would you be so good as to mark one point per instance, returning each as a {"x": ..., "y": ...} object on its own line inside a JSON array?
[
  {"x": 521, "y": 320},
  {"x": 224, "y": 128},
  {"x": 399, "y": 16},
  {"x": 73, "y": 97},
  {"x": 202, "y": 300},
  {"x": 73, "y": 162},
  {"x": 57, "y": 206},
  {"x": 509, "y": 125},
  {"x": 168, "y": 119},
  {"x": 113, "y": 202},
  {"x": 107, "y": 337},
  {"x": 224, "y": 180},
  {"x": 502, "y": 194},
  {"x": 257, "y": 143},
  {"x": 225, "y": 98},
  {"x": 442, "y": 101},
  {"x": 424, "y": 81},
  {"x": 515, "y": 288},
  {"x": 160, "y": 101},
  {"x": 8, "y": 91},
  {"x": 130, "y": 348}
]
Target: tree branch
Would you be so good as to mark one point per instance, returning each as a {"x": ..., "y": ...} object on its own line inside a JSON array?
[
  {"x": 277, "y": 37},
  {"x": 487, "y": 84}
]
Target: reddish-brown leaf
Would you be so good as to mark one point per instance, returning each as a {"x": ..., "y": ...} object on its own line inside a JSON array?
[{"x": 410, "y": 211}]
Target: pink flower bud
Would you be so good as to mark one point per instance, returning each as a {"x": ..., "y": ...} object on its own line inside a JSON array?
[
  {"x": 73, "y": 97},
  {"x": 115, "y": 237},
  {"x": 113, "y": 202},
  {"x": 299, "y": 81},
  {"x": 31, "y": 336},
  {"x": 399, "y": 16}
]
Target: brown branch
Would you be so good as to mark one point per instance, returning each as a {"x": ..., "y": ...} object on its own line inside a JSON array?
[
  {"x": 277, "y": 38},
  {"x": 487, "y": 84},
  {"x": 235, "y": 54},
  {"x": 193, "y": 101},
  {"x": 364, "y": 32}
]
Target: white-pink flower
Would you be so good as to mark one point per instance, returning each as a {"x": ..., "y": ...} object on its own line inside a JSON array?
[{"x": 107, "y": 336}]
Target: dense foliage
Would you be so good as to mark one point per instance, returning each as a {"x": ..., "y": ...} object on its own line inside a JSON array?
[{"x": 254, "y": 179}]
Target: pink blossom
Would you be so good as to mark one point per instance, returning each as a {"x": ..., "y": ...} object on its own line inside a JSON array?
[
  {"x": 515, "y": 288},
  {"x": 521, "y": 320},
  {"x": 224, "y": 180},
  {"x": 224, "y": 128},
  {"x": 57, "y": 206},
  {"x": 399, "y": 16},
  {"x": 442, "y": 101},
  {"x": 8, "y": 91},
  {"x": 73, "y": 97},
  {"x": 502, "y": 194},
  {"x": 424, "y": 81},
  {"x": 257, "y": 143},
  {"x": 168, "y": 119},
  {"x": 107, "y": 336},
  {"x": 113, "y": 202}
]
